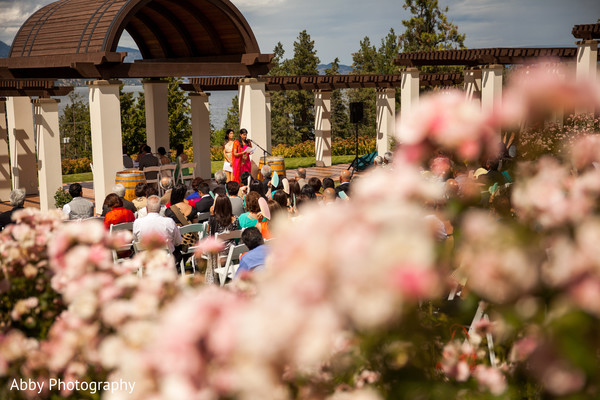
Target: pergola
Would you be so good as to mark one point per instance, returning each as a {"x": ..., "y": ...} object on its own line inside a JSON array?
[{"x": 78, "y": 39}]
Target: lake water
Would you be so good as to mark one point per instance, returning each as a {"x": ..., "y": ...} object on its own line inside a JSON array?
[{"x": 219, "y": 101}]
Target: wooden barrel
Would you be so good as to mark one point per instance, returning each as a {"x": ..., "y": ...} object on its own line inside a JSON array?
[
  {"x": 277, "y": 164},
  {"x": 130, "y": 178}
]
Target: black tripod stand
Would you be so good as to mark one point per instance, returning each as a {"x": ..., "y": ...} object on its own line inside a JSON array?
[{"x": 356, "y": 117}]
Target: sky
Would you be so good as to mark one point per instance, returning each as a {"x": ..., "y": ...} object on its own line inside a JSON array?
[{"x": 338, "y": 26}]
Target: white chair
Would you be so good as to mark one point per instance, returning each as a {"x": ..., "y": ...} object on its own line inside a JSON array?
[
  {"x": 125, "y": 226},
  {"x": 201, "y": 230},
  {"x": 190, "y": 177},
  {"x": 204, "y": 216},
  {"x": 231, "y": 264},
  {"x": 152, "y": 169}
]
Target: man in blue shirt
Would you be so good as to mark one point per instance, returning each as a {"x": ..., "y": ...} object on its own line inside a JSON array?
[{"x": 254, "y": 259}]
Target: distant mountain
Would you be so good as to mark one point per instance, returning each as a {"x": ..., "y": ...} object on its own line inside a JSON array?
[
  {"x": 4, "y": 49},
  {"x": 344, "y": 69},
  {"x": 132, "y": 54}
]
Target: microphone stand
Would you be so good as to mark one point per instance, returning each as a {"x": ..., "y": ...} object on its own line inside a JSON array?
[{"x": 265, "y": 152}]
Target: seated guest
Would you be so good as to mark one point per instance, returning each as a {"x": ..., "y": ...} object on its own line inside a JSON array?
[
  {"x": 195, "y": 186},
  {"x": 329, "y": 196},
  {"x": 119, "y": 190},
  {"x": 205, "y": 201},
  {"x": 344, "y": 183},
  {"x": 237, "y": 203},
  {"x": 127, "y": 161},
  {"x": 315, "y": 183},
  {"x": 150, "y": 191},
  {"x": 17, "y": 199},
  {"x": 378, "y": 161},
  {"x": 251, "y": 217},
  {"x": 257, "y": 186},
  {"x": 223, "y": 220},
  {"x": 220, "y": 179},
  {"x": 294, "y": 188},
  {"x": 265, "y": 225},
  {"x": 254, "y": 259},
  {"x": 148, "y": 160},
  {"x": 328, "y": 183},
  {"x": 301, "y": 177},
  {"x": 309, "y": 192},
  {"x": 180, "y": 211},
  {"x": 166, "y": 184},
  {"x": 140, "y": 196},
  {"x": 162, "y": 156},
  {"x": 281, "y": 198},
  {"x": 78, "y": 208},
  {"x": 388, "y": 158},
  {"x": 154, "y": 223},
  {"x": 266, "y": 173},
  {"x": 117, "y": 214}
]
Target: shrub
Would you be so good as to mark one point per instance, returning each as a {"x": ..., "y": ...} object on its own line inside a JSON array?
[{"x": 76, "y": 165}]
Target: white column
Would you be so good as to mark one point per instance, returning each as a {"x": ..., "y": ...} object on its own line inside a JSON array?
[
  {"x": 105, "y": 118},
  {"x": 323, "y": 128},
  {"x": 201, "y": 134},
  {"x": 409, "y": 93},
  {"x": 253, "y": 116},
  {"x": 386, "y": 119},
  {"x": 268, "y": 106},
  {"x": 5, "y": 183},
  {"x": 472, "y": 85},
  {"x": 587, "y": 64},
  {"x": 22, "y": 144},
  {"x": 491, "y": 86},
  {"x": 48, "y": 145},
  {"x": 157, "y": 114}
]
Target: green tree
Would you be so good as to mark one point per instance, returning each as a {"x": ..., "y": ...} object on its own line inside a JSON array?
[
  {"x": 429, "y": 28},
  {"x": 282, "y": 126},
  {"x": 74, "y": 124},
  {"x": 180, "y": 124},
  {"x": 232, "y": 121},
  {"x": 133, "y": 120},
  {"x": 340, "y": 124}
]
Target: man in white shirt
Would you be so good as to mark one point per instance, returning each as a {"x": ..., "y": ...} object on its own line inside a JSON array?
[{"x": 155, "y": 223}]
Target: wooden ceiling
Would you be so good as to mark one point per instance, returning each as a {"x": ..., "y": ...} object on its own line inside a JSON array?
[
  {"x": 474, "y": 57},
  {"x": 79, "y": 38},
  {"x": 40, "y": 88}
]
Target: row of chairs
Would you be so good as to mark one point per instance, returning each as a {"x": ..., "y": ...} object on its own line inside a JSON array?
[
  {"x": 224, "y": 272},
  {"x": 168, "y": 170}
]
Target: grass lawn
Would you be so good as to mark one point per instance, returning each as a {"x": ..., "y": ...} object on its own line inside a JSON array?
[{"x": 290, "y": 163}]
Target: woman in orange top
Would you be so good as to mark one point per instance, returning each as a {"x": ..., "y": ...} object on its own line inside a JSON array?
[{"x": 117, "y": 214}]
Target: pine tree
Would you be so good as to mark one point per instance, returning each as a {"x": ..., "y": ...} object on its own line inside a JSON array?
[
  {"x": 232, "y": 121},
  {"x": 429, "y": 28},
  {"x": 340, "y": 124},
  {"x": 282, "y": 127},
  {"x": 180, "y": 124},
  {"x": 74, "y": 124},
  {"x": 133, "y": 120}
]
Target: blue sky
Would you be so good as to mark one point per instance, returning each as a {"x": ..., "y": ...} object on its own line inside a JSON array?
[{"x": 337, "y": 26}]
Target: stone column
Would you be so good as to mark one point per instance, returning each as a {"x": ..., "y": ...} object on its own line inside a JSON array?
[
  {"x": 201, "y": 134},
  {"x": 22, "y": 144},
  {"x": 157, "y": 114},
  {"x": 473, "y": 85},
  {"x": 268, "y": 105},
  {"x": 5, "y": 184},
  {"x": 323, "y": 128},
  {"x": 253, "y": 116},
  {"x": 386, "y": 119},
  {"x": 48, "y": 144},
  {"x": 587, "y": 64},
  {"x": 105, "y": 118},
  {"x": 491, "y": 86},
  {"x": 409, "y": 94}
]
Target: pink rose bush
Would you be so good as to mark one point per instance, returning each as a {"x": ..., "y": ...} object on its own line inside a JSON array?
[{"x": 353, "y": 302}]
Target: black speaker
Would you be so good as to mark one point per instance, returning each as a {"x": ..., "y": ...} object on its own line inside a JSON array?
[{"x": 356, "y": 112}]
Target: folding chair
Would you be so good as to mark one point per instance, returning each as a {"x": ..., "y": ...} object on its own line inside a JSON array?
[
  {"x": 204, "y": 216},
  {"x": 232, "y": 263},
  {"x": 190, "y": 177},
  {"x": 200, "y": 228},
  {"x": 125, "y": 226},
  {"x": 152, "y": 169}
]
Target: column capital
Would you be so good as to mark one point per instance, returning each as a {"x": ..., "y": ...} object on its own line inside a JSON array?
[
  {"x": 473, "y": 73},
  {"x": 386, "y": 90},
  {"x": 103, "y": 82},
  {"x": 410, "y": 70},
  {"x": 492, "y": 67},
  {"x": 45, "y": 100},
  {"x": 252, "y": 80},
  {"x": 587, "y": 42}
]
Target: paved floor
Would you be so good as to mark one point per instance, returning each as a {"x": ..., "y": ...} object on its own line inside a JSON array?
[{"x": 88, "y": 187}]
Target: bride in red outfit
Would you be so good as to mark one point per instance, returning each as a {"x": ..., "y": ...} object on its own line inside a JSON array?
[{"x": 241, "y": 159}]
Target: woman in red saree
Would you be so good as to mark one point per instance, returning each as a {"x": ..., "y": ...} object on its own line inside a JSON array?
[{"x": 241, "y": 159}]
